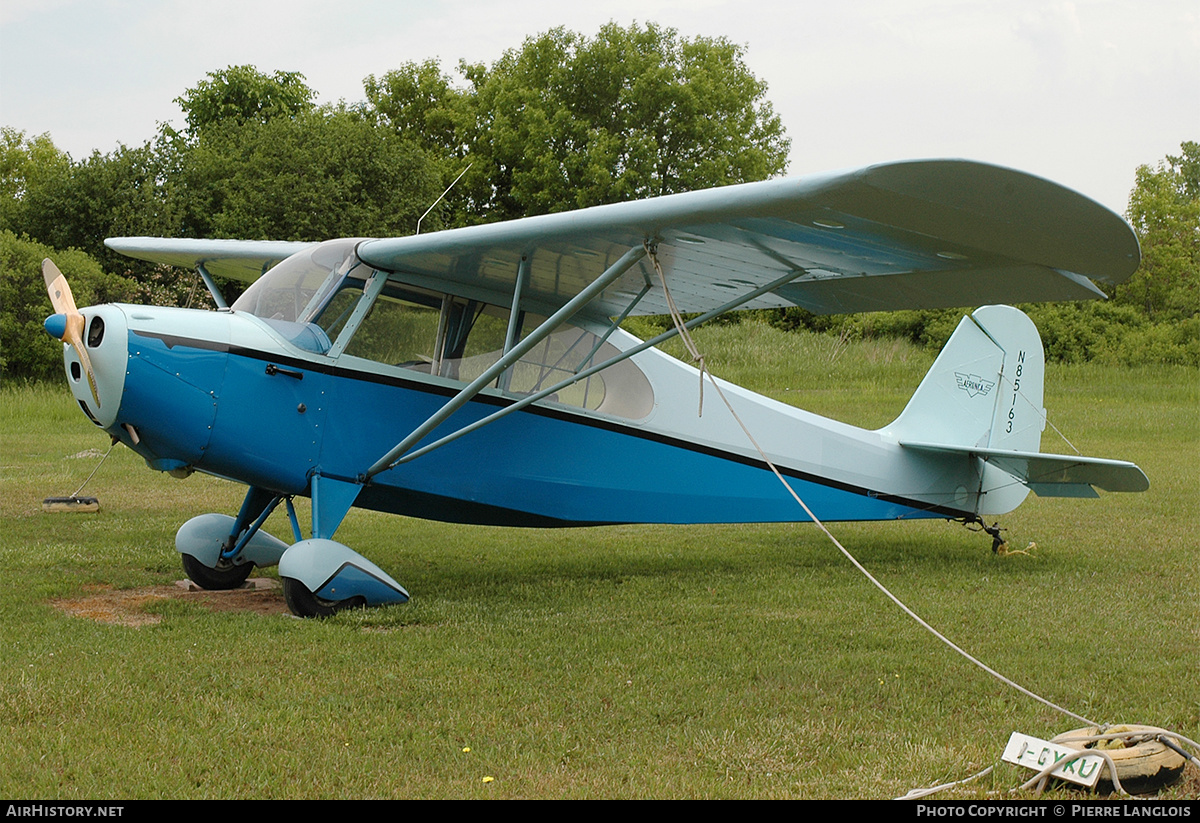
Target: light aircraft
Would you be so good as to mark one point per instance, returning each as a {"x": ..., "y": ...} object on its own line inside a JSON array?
[{"x": 480, "y": 375}]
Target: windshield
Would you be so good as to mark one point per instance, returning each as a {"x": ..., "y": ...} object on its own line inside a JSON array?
[{"x": 286, "y": 292}]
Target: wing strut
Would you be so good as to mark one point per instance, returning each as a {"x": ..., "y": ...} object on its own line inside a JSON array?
[
  {"x": 514, "y": 316},
  {"x": 612, "y": 361},
  {"x": 362, "y": 308},
  {"x": 510, "y": 357},
  {"x": 620, "y": 318},
  {"x": 211, "y": 285}
]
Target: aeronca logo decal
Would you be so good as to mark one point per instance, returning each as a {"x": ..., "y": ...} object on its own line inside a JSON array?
[{"x": 973, "y": 384}]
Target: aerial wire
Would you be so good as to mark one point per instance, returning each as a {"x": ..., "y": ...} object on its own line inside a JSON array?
[{"x": 435, "y": 202}]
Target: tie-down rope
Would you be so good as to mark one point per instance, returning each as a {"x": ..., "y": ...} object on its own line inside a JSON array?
[
  {"x": 1039, "y": 780},
  {"x": 694, "y": 351}
]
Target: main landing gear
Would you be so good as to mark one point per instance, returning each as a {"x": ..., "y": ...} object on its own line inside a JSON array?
[
  {"x": 320, "y": 577},
  {"x": 224, "y": 577}
]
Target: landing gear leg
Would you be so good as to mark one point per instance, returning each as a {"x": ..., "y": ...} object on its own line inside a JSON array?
[
  {"x": 998, "y": 542},
  {"x": 219, "y": 551}
]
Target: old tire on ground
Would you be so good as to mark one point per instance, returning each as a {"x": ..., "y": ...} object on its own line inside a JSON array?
[
  {"x": 229, "y": 577},
  {"x": 1145, "y": 767}
]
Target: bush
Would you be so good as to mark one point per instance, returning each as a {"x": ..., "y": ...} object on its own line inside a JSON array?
[
  {"x": 1107, "y": 332},
  {"x": 26, "y": 351},
  {"x": 1114, "y": 334}
]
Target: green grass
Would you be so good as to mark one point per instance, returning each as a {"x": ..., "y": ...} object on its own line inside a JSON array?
[{"x": 726, "y": 661}]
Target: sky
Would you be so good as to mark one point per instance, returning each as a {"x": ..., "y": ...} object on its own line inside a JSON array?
[{"x": 1079, "y": 92}]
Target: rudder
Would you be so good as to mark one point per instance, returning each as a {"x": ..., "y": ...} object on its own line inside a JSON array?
[
  {"x": 985, "y": 388},
  {"x": 984, "y": 392}
]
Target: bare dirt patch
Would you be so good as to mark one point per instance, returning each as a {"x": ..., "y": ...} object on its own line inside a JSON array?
[{"x": 127, "y": 607}]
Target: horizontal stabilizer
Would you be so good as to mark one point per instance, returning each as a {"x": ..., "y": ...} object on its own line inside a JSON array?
[{"x": 1053, "y": 475}]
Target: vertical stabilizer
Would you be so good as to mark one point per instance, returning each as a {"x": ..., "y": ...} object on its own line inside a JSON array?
[
  {"x": 985, "y": 388},
  {"x": 1020, "y": 416},
  {"x": 983, "y": 392}
]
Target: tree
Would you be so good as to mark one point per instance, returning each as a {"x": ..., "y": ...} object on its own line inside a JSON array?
[
  {"x": 319, "y": 174},
  {"x": 25, "y": 165},
  {"x": 107, "y": 195},
  {"x": 567, "y": 121},
  {"x": 1164, "y": 210},
  {"x": 46, "y": 196},
  {"x": 244, "y": 94},
  {"x": 418, "y": 101},
  {"x": 26, "y": 351}
]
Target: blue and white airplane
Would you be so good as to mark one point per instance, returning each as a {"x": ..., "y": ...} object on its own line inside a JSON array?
[{"x": 480, "y": 375}]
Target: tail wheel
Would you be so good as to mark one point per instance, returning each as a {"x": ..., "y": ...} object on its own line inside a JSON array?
[
  {"x": 218, "y": 579},
  {"x": 304, "y": 603}
]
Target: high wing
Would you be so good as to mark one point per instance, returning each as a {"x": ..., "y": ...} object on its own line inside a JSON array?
[
  {"x": 244, "y": 260},
  {"x": 905, "y": 235},
  {"x": 915, "y": 234}
]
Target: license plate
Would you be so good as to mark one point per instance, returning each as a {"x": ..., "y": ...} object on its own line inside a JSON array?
[{"x": 1034, "y": 753}]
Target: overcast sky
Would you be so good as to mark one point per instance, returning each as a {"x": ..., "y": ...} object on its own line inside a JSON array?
[{"x": 1080, "y": 92}]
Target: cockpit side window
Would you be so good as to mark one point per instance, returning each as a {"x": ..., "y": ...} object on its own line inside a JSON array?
[
  {"x": 459, "y": 339},
  {"x": 333, "y": 315},
  {"x": 621, "y": 390},
  {"x": 399, "y": 330}
]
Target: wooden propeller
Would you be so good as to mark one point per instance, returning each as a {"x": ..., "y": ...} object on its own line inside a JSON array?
[{"x": 72, "y": 330}]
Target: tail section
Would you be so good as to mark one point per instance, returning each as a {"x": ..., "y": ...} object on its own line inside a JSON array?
[
  {"x": 982, "y": 399},
  {"x": 985, "y": 388}
]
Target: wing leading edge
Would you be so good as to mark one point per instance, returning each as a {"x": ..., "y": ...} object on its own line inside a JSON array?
[{"x": 244, "y": 260}]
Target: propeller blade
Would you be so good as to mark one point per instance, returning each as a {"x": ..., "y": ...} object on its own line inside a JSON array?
[
  {"x": 60, "y": 293},
  {"x": 64, "y": 304}
]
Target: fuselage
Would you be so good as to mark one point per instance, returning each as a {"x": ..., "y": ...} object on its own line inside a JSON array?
[{"x": 226, "y": 393}]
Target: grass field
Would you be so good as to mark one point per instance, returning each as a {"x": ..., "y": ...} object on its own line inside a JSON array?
[{"x": 723, "y": 662}]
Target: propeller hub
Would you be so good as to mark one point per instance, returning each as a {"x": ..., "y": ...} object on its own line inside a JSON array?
[{"x": 56, "y": 326}]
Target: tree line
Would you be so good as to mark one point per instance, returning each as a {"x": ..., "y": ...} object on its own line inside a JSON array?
[{"x": 564, "y": 121}]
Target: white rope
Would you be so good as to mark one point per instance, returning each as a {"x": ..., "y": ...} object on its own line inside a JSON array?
[
  {"x": 883, "y": 588},
  {"x": 677, "y": 319},
  {"x": 1041, "y": 777},
  {"x": 916, "y": 793},
  {"x": 98, "y": 465}
]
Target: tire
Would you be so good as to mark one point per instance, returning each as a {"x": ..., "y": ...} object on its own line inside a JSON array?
[
  {"x": 304, "y": 603},
  {"x": 230, "y": 577},
  {"x": 1146, "y": 767}
]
